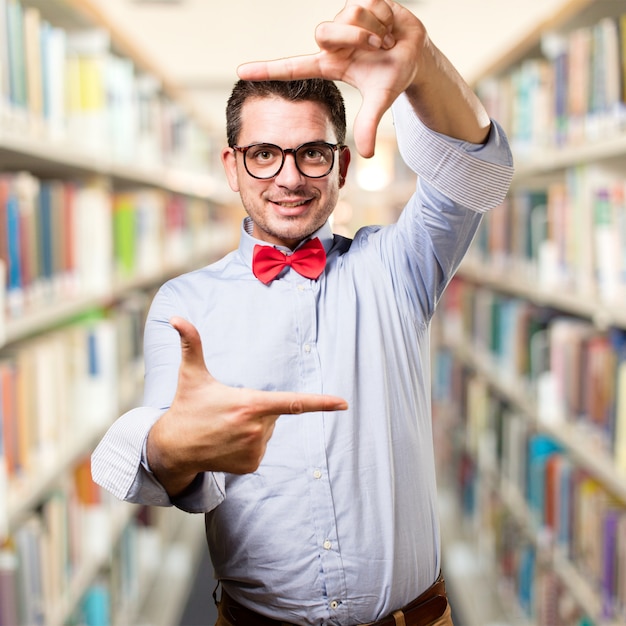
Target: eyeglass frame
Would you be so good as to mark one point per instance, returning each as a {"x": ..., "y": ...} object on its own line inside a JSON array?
[{"x": 335, "y": 147}]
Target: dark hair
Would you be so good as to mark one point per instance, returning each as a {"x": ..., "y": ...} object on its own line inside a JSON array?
[{"x": 325, "y": 92}]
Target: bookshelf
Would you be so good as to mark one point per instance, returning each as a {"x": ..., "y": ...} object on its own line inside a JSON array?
[
  {"x": 106, "y": 191},
  {"x": 528, "y": 374}
]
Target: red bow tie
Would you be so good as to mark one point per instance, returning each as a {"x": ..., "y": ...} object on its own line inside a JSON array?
[{"x": 309, "y": 261}]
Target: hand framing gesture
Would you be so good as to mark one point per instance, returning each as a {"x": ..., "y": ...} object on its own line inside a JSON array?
[
  {"x": 213, "y": 427},
  {"x": 372, "y": 45}
]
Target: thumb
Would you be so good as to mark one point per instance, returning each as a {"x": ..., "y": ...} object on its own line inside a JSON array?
[
  {"x": 190, "y": 345},
  {"x": 367, "y": 120}
]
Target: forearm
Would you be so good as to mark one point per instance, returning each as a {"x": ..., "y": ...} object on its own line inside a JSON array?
[
  {"x": 173, "y": 475},
  {"x": 444, "y": 101}
]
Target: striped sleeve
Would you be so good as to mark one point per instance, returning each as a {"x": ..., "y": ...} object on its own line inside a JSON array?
[
  {"x": 472, "y": 175},
  {"x": 117, "y": 459},
  {"x": 118, "y": 464}
]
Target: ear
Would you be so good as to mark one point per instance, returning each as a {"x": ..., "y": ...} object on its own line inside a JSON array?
[
  {"x": 229, "y": 161},
  {"x": 344, "y": 162}
]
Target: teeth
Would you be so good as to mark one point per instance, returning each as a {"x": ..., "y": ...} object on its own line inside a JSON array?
[{"x": 292, "y": 205}]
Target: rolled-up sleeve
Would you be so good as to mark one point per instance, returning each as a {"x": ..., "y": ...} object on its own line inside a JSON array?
[
  {"x": 118, "y": 464},
  {"x": 476, "y": 176}
]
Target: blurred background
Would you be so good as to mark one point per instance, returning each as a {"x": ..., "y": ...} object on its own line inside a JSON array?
[{"x": 111, "y": 125}]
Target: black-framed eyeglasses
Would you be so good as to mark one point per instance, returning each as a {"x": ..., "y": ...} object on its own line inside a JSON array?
[{"x": 314, "y": 159}]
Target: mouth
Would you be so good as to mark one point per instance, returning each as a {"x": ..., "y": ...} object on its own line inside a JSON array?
[{"x": 292, "y": 207}]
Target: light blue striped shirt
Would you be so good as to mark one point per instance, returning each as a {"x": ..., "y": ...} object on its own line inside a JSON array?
[{"x": 339, "y": 524}]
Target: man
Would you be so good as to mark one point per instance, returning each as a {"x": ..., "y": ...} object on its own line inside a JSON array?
[{"x": 327, "y": 515}]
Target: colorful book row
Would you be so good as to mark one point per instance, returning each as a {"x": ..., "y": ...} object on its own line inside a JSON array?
[
  {"x": 64, "y": 387},
  {"x": 62, "y": 240},
  {"x": 570, "y": 370},
  {"x": 78, "y": 533},
  {"x": 569, "y": 235},
  {"x": 564, "y": 514},
  {"x": 68, "y": 85},
  {"x": 570, "y": 93}
]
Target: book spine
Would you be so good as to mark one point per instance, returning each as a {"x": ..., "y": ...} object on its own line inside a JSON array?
[{"x": 8, "y": 587}]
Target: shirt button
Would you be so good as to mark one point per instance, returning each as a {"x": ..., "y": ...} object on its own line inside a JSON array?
[
  {"x": 307, "y": 347},
  {"x": 317, "y": 474},
  {"x": 334, "y": 604},
  {"x": 327, "y": 544},
  {"x": 301, "y": 287}
]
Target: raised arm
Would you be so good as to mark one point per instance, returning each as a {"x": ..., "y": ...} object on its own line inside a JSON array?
[{"x": 382, "y": 49}]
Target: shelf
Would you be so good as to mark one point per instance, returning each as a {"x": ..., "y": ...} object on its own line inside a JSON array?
[
  {"x": 611, "y": 148},
  {"x": 573, "y": 438},
  {"x": 572, "y": 579},
  {"x": 501, "y": 278},
  {"x": 118, "y": 157},
  {"x": 565, "y": 16},
  {"x": 62, "y": 311},
  {"x": 89, "y": 567},
  {"x": 25, "y": 493},
  {"x": 551, "y": 251},
  {"x": 59, "y": 159}
]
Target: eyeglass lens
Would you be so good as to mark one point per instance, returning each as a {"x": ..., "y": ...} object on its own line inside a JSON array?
[{"x": 265, "y": 160}]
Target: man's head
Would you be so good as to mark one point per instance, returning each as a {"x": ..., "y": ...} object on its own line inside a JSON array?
[
  {"x": 324, "y": 92},
  {"x": 286, "y": 155}
]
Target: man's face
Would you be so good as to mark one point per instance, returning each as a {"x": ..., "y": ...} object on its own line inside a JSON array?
[{"x": 289, "y": 207}]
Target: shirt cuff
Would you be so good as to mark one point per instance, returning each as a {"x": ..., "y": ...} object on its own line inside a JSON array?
[
  {"x": 117, "y": 459},
  {"x": 476, "y": 176},
  {"x": 119, "y": 465}
]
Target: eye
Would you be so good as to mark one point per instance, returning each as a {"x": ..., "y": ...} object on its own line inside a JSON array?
[
  {"x": 315, "y": 153},
  {"x": 264, "y": 153}
]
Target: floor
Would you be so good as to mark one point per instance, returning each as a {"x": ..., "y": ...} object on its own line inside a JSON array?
[{"x": 200, "y": 609}]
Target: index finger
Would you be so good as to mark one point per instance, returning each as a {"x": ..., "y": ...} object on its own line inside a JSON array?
[
  {"x": 290, "y": 68},
  {"x": 292, "y": 403}
]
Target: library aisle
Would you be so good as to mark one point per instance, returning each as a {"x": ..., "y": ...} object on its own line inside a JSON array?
[{"x": 108, "y": 187}]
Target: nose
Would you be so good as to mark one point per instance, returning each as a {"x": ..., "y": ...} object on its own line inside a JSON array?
[{"x": 289, "y": 175}]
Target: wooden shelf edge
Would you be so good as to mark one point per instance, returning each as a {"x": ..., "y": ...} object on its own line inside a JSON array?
[{"x": 531, "y": 39}]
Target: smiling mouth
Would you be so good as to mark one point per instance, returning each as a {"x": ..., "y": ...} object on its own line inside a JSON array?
[{"x": 291, "y": 205}]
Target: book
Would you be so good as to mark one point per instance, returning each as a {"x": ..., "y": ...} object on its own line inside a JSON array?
[
  {"x": 122, "y": 108},
  {"x": 5, "y": 92},
  {"x": 578, "y": 80},
  {"x": 93, "y": 237},
  {"x": 619, "y": 446},
  {"x": 32, "y": 23},
  {"x": 3, "y": 290},
  {"x": 15, "y": 295},
  {"x": 53, "y": 69},
  {"x": 4, "y": 472},
  {"x": 87, "y": 58},
  {"x": 96, "y": 605},
  {"x": 32, "y": 605},
  {"x": 540, "y": 449},
  {"x": 608, "y": 581},
  {"x": 8, "y": 395},
  {"x": 17, "y": 64},
  {"x": 124, "y": 234},
  {"x": 8, "y": 587}
]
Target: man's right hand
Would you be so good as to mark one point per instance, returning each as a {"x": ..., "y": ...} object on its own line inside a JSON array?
[{"x": 213, "y": 427}]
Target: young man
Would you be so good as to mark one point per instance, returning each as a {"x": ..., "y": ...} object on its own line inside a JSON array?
[{"x": 327, "y": 515}]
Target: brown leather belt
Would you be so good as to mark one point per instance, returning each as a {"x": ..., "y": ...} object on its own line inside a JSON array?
[{"x": 422, "y": 611}]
